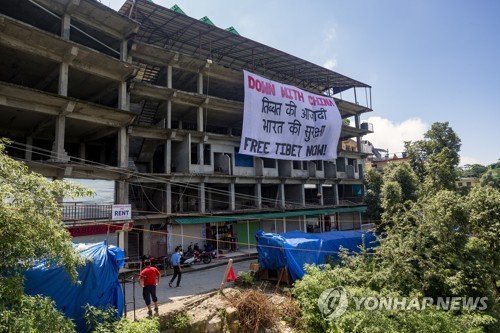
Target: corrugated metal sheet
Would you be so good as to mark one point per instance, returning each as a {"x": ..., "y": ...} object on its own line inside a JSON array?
[{"x": 260, "y": 216}]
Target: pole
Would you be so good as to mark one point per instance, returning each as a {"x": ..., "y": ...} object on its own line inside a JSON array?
[{"x": 224, "y": 279}]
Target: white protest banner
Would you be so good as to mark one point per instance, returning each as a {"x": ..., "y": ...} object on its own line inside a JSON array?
[{"x": 283, "y": 122}]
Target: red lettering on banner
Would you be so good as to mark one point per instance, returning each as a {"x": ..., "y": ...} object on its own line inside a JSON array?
[
  {"x": 266, "y": 88},
  {"x": 292, "y": 94},
  {"x": 316, "y": 100},
  {"x": 87, "y": 230}
]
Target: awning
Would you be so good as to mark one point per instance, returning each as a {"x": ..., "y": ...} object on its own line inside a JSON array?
[{"x": 261, "y": 216}]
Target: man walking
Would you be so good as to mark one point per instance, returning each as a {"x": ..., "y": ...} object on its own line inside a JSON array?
[
  {"x": 176, "y": 264},
  {"x": 149, "y": 278}
]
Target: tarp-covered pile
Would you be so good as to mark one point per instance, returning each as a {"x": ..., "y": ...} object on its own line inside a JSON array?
[
  {"x": 296, "y": 248},
  {"x": 99, "y": 285}
]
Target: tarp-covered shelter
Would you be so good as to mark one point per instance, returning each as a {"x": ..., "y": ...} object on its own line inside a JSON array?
[
  {"x": 99, "y": 282},
  {"x": 292, "y": 250}
]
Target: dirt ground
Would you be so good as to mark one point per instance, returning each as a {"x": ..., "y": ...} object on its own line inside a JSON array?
[{"x": 210, "y": 312}]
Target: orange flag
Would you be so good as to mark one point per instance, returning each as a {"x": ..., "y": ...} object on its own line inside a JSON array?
[{"x": 230, "y": 275}]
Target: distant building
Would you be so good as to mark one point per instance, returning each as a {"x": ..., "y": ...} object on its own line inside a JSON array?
[
  {"x": 385, "y": 159},
  {"x": 468, "y": 182}
]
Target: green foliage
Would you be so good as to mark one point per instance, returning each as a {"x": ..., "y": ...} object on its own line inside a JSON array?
[
  {"x": 31, "y": 229},
  {"x": 100, "y": 320},
  {"x": 405, "y": 177},
  {"x": 373, "y": 182},
  {"x": 180, "y": 321},
  {"x": 491, "y": 178},
  {"x": 427, "y": 252},
  {"x": 29, "y": 314},
  {"x": 472, "y": 170},
  {"x": 246, "y": 278},
  {"x": 435, "y": 159},
  {"x": 30, "y": 219}
]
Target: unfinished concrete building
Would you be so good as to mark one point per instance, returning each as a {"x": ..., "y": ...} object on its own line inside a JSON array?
[{"x": 153, "y": 99}]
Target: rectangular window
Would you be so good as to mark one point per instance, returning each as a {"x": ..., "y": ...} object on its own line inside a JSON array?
[
  {"x": 341, "y": 164},
  {"x": 194, "y": 154},
  {"x": 269, "y": 162},
  {"x": 206, "y": 155}
]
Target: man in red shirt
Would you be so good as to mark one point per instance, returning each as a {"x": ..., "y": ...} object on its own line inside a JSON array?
[{"x": 149, "y": 278}]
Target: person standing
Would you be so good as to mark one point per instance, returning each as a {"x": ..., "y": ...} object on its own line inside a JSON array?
[
  {"x": 176, "y": 264},
  {"x": 149, "y": 278}
]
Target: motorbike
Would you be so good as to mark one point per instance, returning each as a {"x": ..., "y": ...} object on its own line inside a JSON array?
[
  {"x": 197, "y": 257},
  {"x": 162, "y": 262}
]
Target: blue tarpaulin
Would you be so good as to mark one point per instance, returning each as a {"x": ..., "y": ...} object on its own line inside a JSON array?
[
  {"x": 296, "y": 248},
  {"x": 99, "y": 282}
]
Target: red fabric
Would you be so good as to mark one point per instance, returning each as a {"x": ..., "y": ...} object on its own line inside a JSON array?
[
  {"x": 230, "y": 275},
  {"x": 149, "y": 275}
]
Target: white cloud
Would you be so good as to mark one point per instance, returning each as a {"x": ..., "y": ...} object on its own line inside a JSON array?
[
  {"x": 330, "y": 34},
  {"x": 330, "y": 63},
  {"x": 391, "y": 136}
]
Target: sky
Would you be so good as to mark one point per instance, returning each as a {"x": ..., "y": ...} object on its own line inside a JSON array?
[{"x": 427, "y": 61}]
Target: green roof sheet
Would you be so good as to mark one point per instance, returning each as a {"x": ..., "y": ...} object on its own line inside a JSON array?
[
  {"x": 206, "y": 20},
  {"x": 177, "y": 9},
  {"x": 261, "y": 216},
  {"x": 233, "y": 30}
]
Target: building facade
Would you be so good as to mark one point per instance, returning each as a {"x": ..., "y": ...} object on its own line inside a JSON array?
[{"x": 153, "y": 100}]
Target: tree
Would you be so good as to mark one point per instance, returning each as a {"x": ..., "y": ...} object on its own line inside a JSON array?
[
  {"x": 31, "y": 229},
  {"x": 373, "y": 182},
  {"x": 490, "y": 178},
  {"x": 405, "y": 177},
  {"x": 435, "y": 159},
  {"x": 483, "y": 204},
  {"x": 472, "y": 170}
]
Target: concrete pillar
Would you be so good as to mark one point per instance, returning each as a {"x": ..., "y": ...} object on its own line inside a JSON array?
[
  {"x": 168, "y": 198},
  {"x": 121, "y": 185},
  {"x": 284, "y": 224},
  {"x": 58, "y": 152},
  {"x": 169, "y": 102},
  {"x": 167, "y": 154},
  {"x": 258, "y": 195},
  {"x": 63, "y": 79},
  {"x": 201, "y": 195},
  {"x": 124, "y": 50},
  {"x": 303, "y": 195},
  {"x": 122, "y": 96},
  {"x": 336, "y": 194},
  {"x": 358, "y": 139},
  {"x": 122, "y": 148},
  {"x": 65, "y": 26},
  {"x": 282, "y": 195},
  {"x": 28, "y": 155},
  {"x": 121, "y": 240},
  {"x": 169, "y": 76},
  {"x": 199, "y": 120},
  {"x": 320, "y": 194},
  {"x": 232, "y": 197}
]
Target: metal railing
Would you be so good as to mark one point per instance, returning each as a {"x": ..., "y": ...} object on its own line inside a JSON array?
[{"x": 77, "y": 211}]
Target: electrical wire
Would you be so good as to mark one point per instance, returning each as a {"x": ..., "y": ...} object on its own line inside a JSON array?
[
  {"x": 127, "y": 172},
  {"x": 231, "y": 242}
]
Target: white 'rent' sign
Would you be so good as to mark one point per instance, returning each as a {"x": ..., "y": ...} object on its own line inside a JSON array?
[
  {"x": 284, "y": 122},
  {"x": 121, "y": 212}
]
